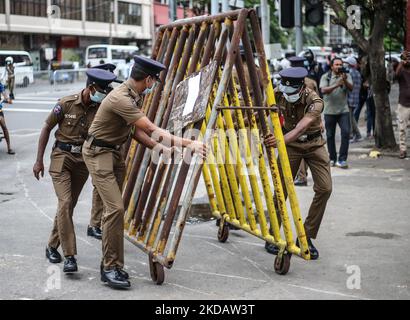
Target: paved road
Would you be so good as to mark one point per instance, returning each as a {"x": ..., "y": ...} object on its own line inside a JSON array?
[{"x": 364, "y": 240}]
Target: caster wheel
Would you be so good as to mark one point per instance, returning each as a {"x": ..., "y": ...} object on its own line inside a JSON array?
[
  {"x": 282, "y": 265},
  {"x": 157, "y": 271},
  {"x": 223, "y": 232}
]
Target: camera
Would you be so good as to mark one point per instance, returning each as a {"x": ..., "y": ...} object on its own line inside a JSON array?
[{"x": 343, "y": 70}]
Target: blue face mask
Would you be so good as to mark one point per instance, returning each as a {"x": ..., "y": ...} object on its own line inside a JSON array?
[
  {"x": 97, "y": 97},
  {"x": 148, "y": 90}
]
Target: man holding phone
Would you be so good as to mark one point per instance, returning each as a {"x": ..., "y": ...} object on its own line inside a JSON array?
[{"x": 335, "y": 86}]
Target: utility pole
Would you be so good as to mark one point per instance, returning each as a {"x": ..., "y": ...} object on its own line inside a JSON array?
[
  {"x": 225, "y": 5},
  {"x": 298, "y": 26},
  {"x": 265, "y": 19},
  {"x": 214, "y": 7},
  {"x": 408, "y": 27},
  {"x": 172, "y": 10},
  {"x": 111, "y": 16}
]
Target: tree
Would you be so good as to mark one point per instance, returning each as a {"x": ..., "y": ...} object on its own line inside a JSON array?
[{"x": 378, "y": 12}]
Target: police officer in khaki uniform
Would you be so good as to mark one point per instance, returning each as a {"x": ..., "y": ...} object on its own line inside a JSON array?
[
  {"x": 74, "y": 115},
  {"x": 302, "y": 108},
  {"x": 117, "y": 115},
  {"x": 301, "y": 177},
  {"x": 94, "y": 228}
]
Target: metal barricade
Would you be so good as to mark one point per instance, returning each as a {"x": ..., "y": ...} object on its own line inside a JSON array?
[{"x": 153, "y": 190}]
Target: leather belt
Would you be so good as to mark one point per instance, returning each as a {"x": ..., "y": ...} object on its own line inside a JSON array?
[
  {"x": 102, "y": 143},
  {"x": 76, "y": 149}
]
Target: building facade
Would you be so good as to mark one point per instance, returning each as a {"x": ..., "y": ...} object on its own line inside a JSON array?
[{"x": 69, "y": 26}]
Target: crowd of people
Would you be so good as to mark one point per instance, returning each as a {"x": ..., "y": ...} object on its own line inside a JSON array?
[{"x": 344, "y": 85}]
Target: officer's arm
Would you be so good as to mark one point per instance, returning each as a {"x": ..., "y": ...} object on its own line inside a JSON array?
[
  {"x": 166, "y": 138},
  {"x": 144, "y": 138},
  {"x": 300, "y": 129},
  {"x": 42, "y": 144}
]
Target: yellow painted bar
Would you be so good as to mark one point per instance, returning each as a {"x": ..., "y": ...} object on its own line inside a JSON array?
[{"x": 287, "y": 174}]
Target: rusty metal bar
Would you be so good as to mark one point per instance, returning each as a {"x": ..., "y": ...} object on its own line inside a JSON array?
[
  {"x": 176, "y": 56},
  {"x": 246, "y": 107},
  {"x": 233, "y": 15},
  {"x": 196, "y": 172},
  {"x": 179, "y": 76},
  {"x": 137, "y": 160}
]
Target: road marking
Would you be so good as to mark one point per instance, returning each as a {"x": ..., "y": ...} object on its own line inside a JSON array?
[
  {"x": 27, "y": 110},
  {"x": 221, "y": 275},
  {"x": 328, "y": 292}
]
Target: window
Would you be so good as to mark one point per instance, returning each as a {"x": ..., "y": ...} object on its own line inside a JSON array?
[
  {"x": 100, "y": 10},
  {"x": 122, "y": 54},
  {"x": 35, "y": 8},
  {"x": 97, "y": 53},
  {"x": 69, "y": 9},
  {"x": 2, "y": 7},
  {"x": 129, "y": 13}
]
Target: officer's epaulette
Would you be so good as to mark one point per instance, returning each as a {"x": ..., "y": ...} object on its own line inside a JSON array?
[{"x": 70, "y": 98}]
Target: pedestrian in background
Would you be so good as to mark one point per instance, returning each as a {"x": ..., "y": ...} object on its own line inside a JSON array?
[
  {"x": 353, "y": 98},
  {"x": 403, "y": 110},
  {"x": 3, "y": 120},
  {"x": 335, "y": 86}
]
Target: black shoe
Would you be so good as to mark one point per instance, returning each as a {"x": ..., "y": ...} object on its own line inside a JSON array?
[
  {"x": 53, "y": 255},
  {"x": 94, "y": 232},
  {"x": 114, "y": 278},
  {"x": 314, "y": 253},
  {"x": 300, "y": 183},
  {"x": 123, "y": 273},
  {"x": 70, "y": 264},
  {"x": 271, "y": 248}
]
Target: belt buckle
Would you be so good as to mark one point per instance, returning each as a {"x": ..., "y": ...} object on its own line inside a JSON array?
[
  {"x": 303, "y": 138},
  {"x": 75, "y": 149}
]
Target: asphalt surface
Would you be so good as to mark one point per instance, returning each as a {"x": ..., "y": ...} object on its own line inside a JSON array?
[{"x": 363, "y": 242}]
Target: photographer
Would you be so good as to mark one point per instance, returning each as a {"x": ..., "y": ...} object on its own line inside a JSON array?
[
  {"x": 335, "y": 86},
  {"x": 403, "y": 109}
]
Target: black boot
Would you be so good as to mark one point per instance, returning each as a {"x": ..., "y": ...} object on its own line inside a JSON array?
[
  {"x": 94, "y": 232},
  {"x": 314, "y": 253},
  {"x": 271, "y": 248},
  {"x": 53, "y": 255},
  {"x": 114, "y": 278},
  {"x": 70, "y": 264},
  {"x": 123, "y": 273}
]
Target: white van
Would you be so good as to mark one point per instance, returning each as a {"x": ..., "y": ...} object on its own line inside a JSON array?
[
  {"x": 23, "y": 66},
  {"x": 107, "y": 53}
]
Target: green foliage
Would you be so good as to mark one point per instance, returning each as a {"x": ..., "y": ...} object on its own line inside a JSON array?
[{"x": 277, "y": 34}]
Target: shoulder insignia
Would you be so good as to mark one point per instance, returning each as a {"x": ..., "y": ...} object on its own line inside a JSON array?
[{"x": 57, "y": 109}]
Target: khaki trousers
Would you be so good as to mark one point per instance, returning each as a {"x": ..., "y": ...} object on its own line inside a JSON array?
[
  {"x": 316, "y": 157},
  {"x": 403, "y": 114},
  {"x": 69, "y": 175},
  {"x": 107, "y": 169}
]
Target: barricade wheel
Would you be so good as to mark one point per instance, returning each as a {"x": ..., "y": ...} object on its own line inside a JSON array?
[
  {"x": 223, "y": 232},
  {"x": 157, "y": 271},
  {"x": 282, "y": 265}
]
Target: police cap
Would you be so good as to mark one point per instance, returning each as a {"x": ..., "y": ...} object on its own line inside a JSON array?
[
  {"x": 106, "y": 66},
  {"x": 297, "y": 61},
  {"x": 148, "y": 66},
  {"x": 100, "y": 77},
  {"x": 293, "y": 77}
]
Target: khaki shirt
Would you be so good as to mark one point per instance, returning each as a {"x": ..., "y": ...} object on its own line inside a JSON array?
[
  {"x": 73, "y": 119},
  {"x": 116, "y": 115},
  {"x": 311, "y": 84},
  {"x": 309, "y": 105}
]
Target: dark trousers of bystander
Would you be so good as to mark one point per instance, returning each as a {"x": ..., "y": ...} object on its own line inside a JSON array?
[
  {"x": 370, "y": 115},
  {"x": 343, "y": 120}
]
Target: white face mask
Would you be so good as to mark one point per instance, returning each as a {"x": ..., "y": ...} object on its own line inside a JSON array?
[
  {"x": 97, "y": 97},
  {"x": 287, "y": 89},
  {"x": 292, "y": 98}
]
